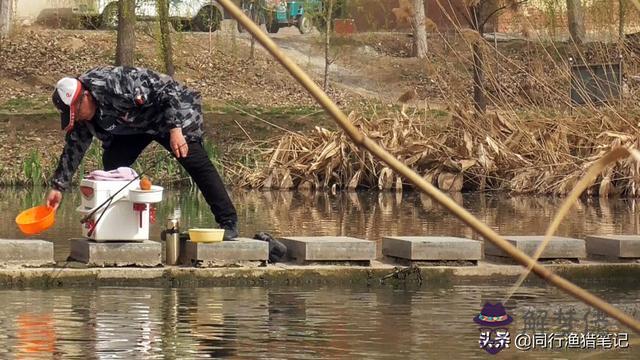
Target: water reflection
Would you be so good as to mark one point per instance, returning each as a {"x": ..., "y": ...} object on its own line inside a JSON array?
[
  {"x": 368, "y": 215},
  {"x": 327, "y": 323}
]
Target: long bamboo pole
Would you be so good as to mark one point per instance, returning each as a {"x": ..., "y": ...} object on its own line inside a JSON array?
[{"x": 363, "y": 141}]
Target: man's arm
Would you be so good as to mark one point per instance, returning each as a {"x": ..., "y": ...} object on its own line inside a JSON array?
[
  {"x": 76, "y": 145},
  {"x": 179, "y": 112}
]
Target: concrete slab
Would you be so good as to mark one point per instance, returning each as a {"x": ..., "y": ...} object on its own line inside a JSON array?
[
  {"x": 105, "y": 254},
  {"x": 614, "y": 246},
  {"x": 25, "y": 252},
  {"x": 558, "y": 248},
  {"x": 329, "y": 248},
  {"x": 431, "y": 248},
  {"x": 239, "y": 251}
]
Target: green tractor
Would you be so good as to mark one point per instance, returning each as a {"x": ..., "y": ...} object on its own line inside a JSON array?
[{"x": 276, "y": 14}]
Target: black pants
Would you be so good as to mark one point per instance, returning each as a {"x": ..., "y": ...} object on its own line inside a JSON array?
[{"x": 123, "y": 150}]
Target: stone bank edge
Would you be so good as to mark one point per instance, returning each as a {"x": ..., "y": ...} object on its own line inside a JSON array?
[{"x": 378, "y": 274}]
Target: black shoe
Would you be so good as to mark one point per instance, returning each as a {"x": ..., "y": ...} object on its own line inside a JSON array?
[{"x": 230, "y": 231}]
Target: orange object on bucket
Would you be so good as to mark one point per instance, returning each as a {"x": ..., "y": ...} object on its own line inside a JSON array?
[
  {"x": 145, "y": 183},
  {"x": 36, "y": 220}
]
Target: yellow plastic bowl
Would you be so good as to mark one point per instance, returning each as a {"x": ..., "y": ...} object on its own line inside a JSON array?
[{"x": 206, "y": 235}]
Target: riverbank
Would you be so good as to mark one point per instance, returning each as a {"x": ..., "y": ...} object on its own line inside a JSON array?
[
  {"x": 31, "y": 141},
  {"x": 524, "y": 152},
  {"x": 531, "y": 141},
  {"x": 378, "y": 274},
  {"x": 301, "y": 148}
]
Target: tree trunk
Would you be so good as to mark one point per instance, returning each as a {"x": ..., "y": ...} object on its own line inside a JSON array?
[
  {"x": 254, "y": 17},
  {"x": 575, "y": 17},
  {"x": 622, "y": 9},
  {"x": 252, "y": 52},
  {"x": 488, "y": 13},
  {"x": 419, "y": 30},
  {"x": 479, "y": 98},
  {"x": 165, "y": 36},
  {"x": 126, "y": 42},
  {"x": 6, "y": 16},
  {"x": 327, "y": 42}
]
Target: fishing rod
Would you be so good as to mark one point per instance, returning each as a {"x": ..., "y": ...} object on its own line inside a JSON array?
[
  {"x": 109, "y": 199},
  {"x": 360, "y": 139}
]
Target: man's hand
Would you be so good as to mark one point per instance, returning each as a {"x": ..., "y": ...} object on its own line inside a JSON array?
[
  {"x": 54, "y": 198},
  {"x": 178, "y": 143}
]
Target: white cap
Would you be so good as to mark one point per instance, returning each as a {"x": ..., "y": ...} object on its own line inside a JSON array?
[{"x": 67, "y": 92}]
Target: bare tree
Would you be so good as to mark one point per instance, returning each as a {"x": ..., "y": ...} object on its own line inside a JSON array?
[
  {"x": 622, "y": 11},
  {"x": 165, "y": 36},
  {"x": 412, "y": 12},
  {"x": 480, "y": 12},
  {"x": 479, "y": 98},
  {"x": 575, "y": 17},
  {"x": 254, "y": 14},
  {"x": 6, "y": 16},
  {"x": 327, "y": 42},
  {"x": 418, "y": 20},
  {"x": 126, "y": 42}
]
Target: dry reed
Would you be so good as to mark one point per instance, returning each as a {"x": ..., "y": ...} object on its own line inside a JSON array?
[
  {"x": 453, "y": 150},
  {"x": 371, "y": 146}
]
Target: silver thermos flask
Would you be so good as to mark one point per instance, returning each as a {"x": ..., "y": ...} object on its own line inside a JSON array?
[{"x": 172, "y": 240}]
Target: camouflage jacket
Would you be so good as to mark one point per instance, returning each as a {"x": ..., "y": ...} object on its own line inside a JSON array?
[{"x": 129, "y": 101}]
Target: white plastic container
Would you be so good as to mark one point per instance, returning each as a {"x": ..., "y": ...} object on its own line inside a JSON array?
[
  {"x": 120, "y": 222},
  {"x": 127, "y": 218},
  {"x": 96, "y": 192},
  {"x": 146, "y": 196}
]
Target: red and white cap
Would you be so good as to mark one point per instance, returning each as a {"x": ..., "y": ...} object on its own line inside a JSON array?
[{"x": 65, "y": 98}]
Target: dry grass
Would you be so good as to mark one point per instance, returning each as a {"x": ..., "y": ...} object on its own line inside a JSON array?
[
  {"x": 534, "y": 140},
  {"x": 33, "y": 59},
  {"x": 455, "y": 151}
]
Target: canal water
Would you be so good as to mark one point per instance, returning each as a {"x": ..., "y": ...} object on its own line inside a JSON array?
[
  {"x": 366, "y": 215},
  {"x": 316, "y": 322},
  {"x": 297, "y": 323}
]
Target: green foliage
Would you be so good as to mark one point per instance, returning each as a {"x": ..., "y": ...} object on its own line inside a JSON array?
[
  {"x": 214, "y": 155},
  {"x": 24, "y": 105},
  {"x": 92, "y": 160},
  {"x": 250, "y": 160},
  {"x": 32, "y": 168}
]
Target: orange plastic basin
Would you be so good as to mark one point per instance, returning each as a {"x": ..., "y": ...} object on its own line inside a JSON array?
[{"x": 36, "y": 220}]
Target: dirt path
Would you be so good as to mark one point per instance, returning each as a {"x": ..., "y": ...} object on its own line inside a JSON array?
[
  {"x": 307, "y": 52},
  {"x": 358, "y": 68}
]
